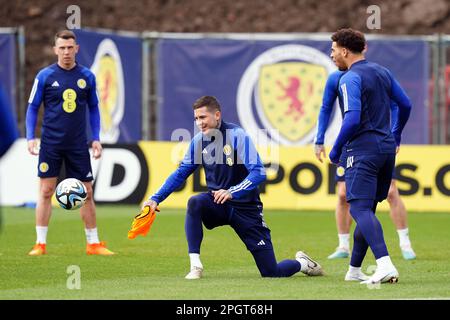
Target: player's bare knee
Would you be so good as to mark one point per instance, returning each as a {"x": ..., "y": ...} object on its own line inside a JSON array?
[
  {"x": 89, "y": 191},
  {"x": 342, "y": 199},
  {"x": 90, "y": 195},
  {"x": 341, "y": 194},
  {"x": 47, "y": 192}
]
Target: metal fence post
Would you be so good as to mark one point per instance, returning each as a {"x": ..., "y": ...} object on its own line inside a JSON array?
[
  {"x": 146, "y": 125},
  {"x": 21, "y": 109},
  {"x": 435, "y": 123},
  {"x": 153, "y": 38}
]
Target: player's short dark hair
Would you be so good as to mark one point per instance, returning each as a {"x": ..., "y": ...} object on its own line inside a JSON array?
[
  {"x": 353, "y": 40},
  {"x": 207, "y": 101},
  {"x": 65, "y": 34}
]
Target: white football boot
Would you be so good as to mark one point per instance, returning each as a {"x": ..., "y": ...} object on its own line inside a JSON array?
[
  {"x": 383, "y": 276},
  {"x": 195, "y": 273},
  {"x": 311, "y": 267},
  {"x": 356, "y": 275}
]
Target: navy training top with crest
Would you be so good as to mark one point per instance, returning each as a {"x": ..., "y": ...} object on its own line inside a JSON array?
[
  {"x": 66, "y": 95},
  {"x": 369, "y": 88},
  {"x": 230, "y": 161}
]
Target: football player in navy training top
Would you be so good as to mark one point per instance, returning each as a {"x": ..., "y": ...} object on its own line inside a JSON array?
[
  {"x": 233, "y": 171},
  {"x": 369, "y": 146},
  {"x": 397, "y": 212},
  {"x": 67, "y": 89}
]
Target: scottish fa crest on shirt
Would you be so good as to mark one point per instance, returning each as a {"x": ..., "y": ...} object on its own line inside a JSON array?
[
  {"x": 280, "y": 94},
  {"x": 227, "y": 149},
  {"x": 81, "y": 83}
]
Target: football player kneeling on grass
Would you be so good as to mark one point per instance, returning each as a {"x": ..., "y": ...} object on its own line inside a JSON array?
[{"x": 233, "y": 171}]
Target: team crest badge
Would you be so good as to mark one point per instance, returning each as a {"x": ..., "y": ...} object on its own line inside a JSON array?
[
  {"x": 290, "y": 97},
  {"x": 81, "y": 83},
  {"x": 108, "y": 70},
  {"x": 340, "y": 171},
  {"x": 227, "y": 149},
  {"x": 43, "y": 167},
  {"x": 280, "y": 94}
]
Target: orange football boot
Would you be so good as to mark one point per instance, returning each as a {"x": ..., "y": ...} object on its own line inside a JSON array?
[
  {"x": 38, "y": 250},
  {"x": 142, "y": 222},
  {"x": 98, "y": 248}
]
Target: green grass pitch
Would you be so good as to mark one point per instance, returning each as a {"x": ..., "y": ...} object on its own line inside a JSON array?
[{"x": 153, "y": 267}]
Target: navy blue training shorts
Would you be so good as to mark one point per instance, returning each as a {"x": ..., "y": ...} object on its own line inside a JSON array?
[
  {"x": 77, "y": 163},
  {"x": 368, "y": 176},
  {"x": 339, "y": 175}
]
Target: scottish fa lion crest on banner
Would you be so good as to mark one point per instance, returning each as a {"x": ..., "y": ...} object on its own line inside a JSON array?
[
  {"x": 281, "y": 92},
  {"x": 107, "y": 67}
]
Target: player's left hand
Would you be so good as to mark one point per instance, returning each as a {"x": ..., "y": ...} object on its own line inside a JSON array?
[
  {"x": 222, "y": 195},
  {"x": 334, "y": 156},
  {"x": 319, "y": 151},
  {"x": 96, "y": 149}
]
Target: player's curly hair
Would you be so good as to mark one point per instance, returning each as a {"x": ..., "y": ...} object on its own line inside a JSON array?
[
  {"x": 207, "y": 101},
  {"x": 353, "y": 40}
]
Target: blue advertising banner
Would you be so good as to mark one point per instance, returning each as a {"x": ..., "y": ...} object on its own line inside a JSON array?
[
  {"x": 117, "y": 63},
  {"x": 8, "y": 68},
  {"x": 274, "y": 88}
]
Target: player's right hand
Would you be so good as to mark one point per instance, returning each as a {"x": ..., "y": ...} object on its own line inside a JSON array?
[
  {"x": 143, "y": 221},
  {"x": 152, "y": 204},
  {"x": 33, "y": 147},
  {"x": 319, "y": 151}
]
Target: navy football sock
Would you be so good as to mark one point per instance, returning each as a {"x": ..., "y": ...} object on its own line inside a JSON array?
[
  {"x": 370, "y": 227},
  {"x": 268, "y": 266}
]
